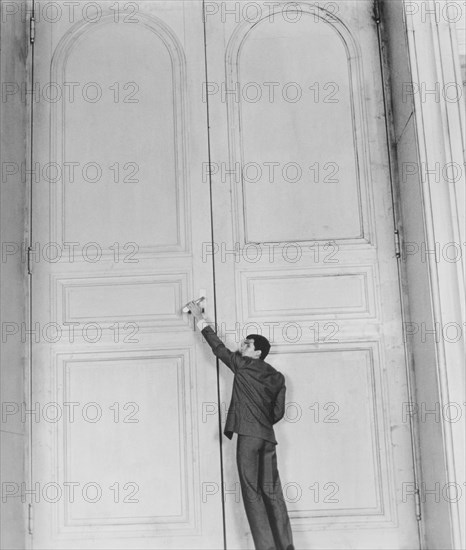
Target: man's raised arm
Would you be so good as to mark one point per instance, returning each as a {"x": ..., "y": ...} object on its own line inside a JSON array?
[{"x": 218, "y": 347}]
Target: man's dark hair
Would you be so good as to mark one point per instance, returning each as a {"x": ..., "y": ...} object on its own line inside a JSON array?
[{"x": 260, "y": 343}]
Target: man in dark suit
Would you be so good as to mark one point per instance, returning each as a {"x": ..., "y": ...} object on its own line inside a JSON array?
[{"x": 257, "y": 403}]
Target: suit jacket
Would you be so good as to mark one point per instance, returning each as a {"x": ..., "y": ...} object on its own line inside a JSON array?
[{"x": 258, "y": 396}]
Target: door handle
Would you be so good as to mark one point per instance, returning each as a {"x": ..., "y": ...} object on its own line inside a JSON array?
[{"x": 202, "y": 297}]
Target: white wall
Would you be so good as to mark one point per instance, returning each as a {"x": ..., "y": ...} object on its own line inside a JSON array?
[
  {"x": 13, "y": 201},
  {"x": 427, "y": 137}
]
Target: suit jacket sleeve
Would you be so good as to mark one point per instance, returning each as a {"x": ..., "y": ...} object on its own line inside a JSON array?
[
  {"x": 279, "y": 406},
  {"x": 227, "y": 356}
]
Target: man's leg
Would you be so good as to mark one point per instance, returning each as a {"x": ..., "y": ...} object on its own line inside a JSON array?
[
  {"x": 248, "y": 451},
  {"x": 273, "y": 497}
]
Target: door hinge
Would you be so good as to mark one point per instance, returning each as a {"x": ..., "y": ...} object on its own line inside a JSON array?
[
  {"x": 29, "y": 260},
  {"x": 397, "y": 244},
  {"x": 32, "y": 30},
  {"x": 417, "y": 498},
  {"x": 30, "y": 519}
]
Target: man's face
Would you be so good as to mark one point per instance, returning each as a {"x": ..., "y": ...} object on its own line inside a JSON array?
[{"x": 247, "y": 349}]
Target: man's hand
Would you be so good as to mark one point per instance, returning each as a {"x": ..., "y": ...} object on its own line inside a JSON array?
[{"x": 196, "y": 310}]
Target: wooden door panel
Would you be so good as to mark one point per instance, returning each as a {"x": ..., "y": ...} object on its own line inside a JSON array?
[
  {"x": 123, "y": 227},
  {"x": 111, "y": 152},
  {"x": 299, "y": 158},
  {"x": 291, "y": 154}
]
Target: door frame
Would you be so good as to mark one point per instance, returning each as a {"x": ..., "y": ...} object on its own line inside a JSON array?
[{"x": 418, "y": 47}]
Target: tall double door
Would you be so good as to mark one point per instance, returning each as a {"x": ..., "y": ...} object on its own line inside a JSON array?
[{"x": 235, "y": 151}]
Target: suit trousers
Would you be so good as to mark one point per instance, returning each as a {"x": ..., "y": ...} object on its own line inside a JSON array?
[{"x": 262, "y": 494}]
